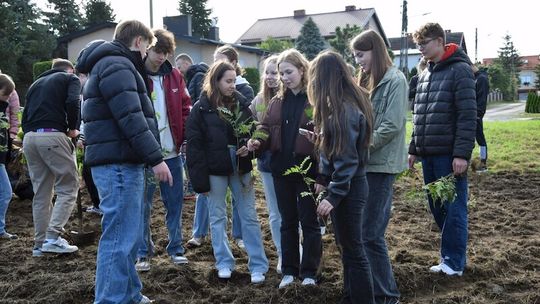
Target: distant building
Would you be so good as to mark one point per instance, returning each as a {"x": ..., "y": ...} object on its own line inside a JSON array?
[
  {"x": 527, "y": 76},
  {"x": 200, "y": 49},
  {"x": 288, "y": 27},
  {"x": 414, "y": 54}
]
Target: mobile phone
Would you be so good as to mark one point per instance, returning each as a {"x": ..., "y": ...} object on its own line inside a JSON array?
[{"x": 304, "y": 132}]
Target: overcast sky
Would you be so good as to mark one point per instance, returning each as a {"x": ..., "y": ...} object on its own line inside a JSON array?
[{"x": 494, "y": 19}]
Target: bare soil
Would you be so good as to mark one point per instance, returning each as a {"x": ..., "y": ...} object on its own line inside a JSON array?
[{"x": 503, "y": 256}]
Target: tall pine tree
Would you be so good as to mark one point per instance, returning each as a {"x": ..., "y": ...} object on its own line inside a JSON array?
[
  {"x": 310, "y": 42},
  {"x": 24, "y": 40},
  {"x": 65, "y": 17},
  {"x": 200, "y": 16},
  {"x": 342, "y": 40},
  {"x": 510, "y": 62},
  {"x": 98, "y": 11}
]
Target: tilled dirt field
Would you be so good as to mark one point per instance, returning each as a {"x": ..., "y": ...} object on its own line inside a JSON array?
[{"x": 503, "y": 256}]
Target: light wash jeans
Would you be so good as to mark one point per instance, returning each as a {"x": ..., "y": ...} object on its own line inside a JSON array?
[
  {"x": 274, "y": 217},
  {"x": 173, "y": 198},
  {"x": 201, "y": 221},
  {"x": 5, "y": 197},
  {"x": 243, "y": 195},
  {"x": 121, "y": 188}
]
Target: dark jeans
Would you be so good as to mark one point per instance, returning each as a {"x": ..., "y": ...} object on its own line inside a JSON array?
[
  {"x": 374, "y": 222},
  {"x": 90, "y": 186},
  {"x": 357, "y": 282},
  {"x": 294, "y": 208},
  {"x": 450, "y": 217}
]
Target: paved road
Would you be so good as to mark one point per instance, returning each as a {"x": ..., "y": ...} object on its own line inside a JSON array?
[{"x": 510, "y": 111}]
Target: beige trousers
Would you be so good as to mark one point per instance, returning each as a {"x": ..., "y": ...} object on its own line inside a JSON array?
[{"x": 52, "y": 167}]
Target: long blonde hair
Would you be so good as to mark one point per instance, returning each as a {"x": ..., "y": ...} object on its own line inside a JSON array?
[
  {"x": 380, "y": 60},
  {"x": 266, "y": 93},
  {"x": 331, "y": 85}
]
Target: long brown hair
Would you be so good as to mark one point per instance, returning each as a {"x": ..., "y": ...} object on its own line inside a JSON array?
[
  {"x": 266, "y": 92},
  {"x": 380, "y": 60},
  {"x": 211, "y": 86},
  {"x": 295, "y": 58},
  {"x": 331, "y": 85}
]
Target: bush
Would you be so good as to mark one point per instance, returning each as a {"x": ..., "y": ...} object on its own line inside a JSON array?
[
  {"x": 528, "y": 105},
  {"x": 40, "y": 67},
  {"x": 253, "y": 77}
]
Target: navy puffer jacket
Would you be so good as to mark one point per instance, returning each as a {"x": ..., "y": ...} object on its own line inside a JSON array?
[
  {"x": 444, "y": 114},
  {"x": 120, "y": 125}
]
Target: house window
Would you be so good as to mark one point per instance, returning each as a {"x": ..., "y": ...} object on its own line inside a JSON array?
[{"x": 526, "y": 80}]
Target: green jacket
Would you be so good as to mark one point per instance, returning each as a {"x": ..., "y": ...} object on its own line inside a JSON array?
[{"x": 388, "y": 150}]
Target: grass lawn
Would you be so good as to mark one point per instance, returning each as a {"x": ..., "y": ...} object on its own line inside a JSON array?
[{"x": 512, "y": 145}]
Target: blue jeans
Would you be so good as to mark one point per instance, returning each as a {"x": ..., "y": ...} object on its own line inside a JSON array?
[
  {"x": 243, "y": 195},
  {"x": 200, "y": 218},
  {"x": 201, "y": 221},
  {"x": 121, "y": 188},
  {"x": 173, "y": 198},
  {"x": 374, "y": 222},
  {"x": 274, "y": 218},
  {"x": 189, "y": 187},
  {"x": 450, "y": 217},
  {"x": 5, "y": 197},
  {"x": 357, "y": 281}
]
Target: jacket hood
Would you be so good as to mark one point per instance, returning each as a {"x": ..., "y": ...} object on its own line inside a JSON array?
[
  {"x": 97, "y": 49},
  {"x": 452, "y": 54},
  {"x": 165, "y": 69},
  {"x": 196, "y": 68},
  {"x": 240, "y": 80},
  {"x": 481, "y": 73},
  {"x": 49, "y": 72}
]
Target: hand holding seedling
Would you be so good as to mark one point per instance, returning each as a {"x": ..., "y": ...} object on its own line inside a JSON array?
[
  {"x": 242, "y": 151},
  {"x": 253, "y": 144},
  {"x": 459, "y": 165},
  {"x": 324, "y": 208}
]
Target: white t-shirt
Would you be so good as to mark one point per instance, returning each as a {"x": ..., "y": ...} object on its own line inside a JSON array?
[{"x": 165, "y": 136}]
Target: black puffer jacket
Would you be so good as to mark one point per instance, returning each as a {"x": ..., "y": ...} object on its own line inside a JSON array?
[
  {"x": 482, "y": 91},
  {"x": 194, "y": 79},
  {"x": 119, "y": 117},
  {"x": 208, "y": 138},
  {"x": 444, "y": 114}
]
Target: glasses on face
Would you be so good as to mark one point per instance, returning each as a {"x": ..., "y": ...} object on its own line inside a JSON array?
[{"x": 424, "y": 43}]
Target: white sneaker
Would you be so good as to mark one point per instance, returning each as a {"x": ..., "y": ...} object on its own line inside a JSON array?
[
  {"x": 445, "y": 269},
  {"x": 143, "y": 264},
  {"x": 240, "y": 243},
  {"x": 287, "y": 280},
  {"x": 257, "y": 278},
  {"x": 278, "y": 267},
  {"x": 195, "y": 241},
  {"x": 58, "y": 246},
  {"x": 36, "y": 252},
  {"x": 224, "y": 273},
  {"x": 145, "y": 300},
  {"x": 309, "y": 281},
  {"x": 179, "y": 259}
]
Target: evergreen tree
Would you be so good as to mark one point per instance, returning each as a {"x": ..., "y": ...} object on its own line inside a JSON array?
[
  {"x": 275, "y": 46},
  {"x": 341, "y": 43},
  {"x": 510, "y": 61},
  {"x": 499, "y": 78},
  {"x": 200, "y": 16},
  {"x": 98, "y": 11},
  {"x": 24, "y": 40},
  {"x": 537, "y": 81},
  {"x": 310, "y": 42},
  {"x": 65, "y": 18}
]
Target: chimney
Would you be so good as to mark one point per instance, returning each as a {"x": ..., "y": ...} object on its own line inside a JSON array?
[
  {"x": 299, "y": 13},
  {"x": 350, "y": 8},
  {"x": 178, "y": 25},
  {"x": 213, "y": 34}
]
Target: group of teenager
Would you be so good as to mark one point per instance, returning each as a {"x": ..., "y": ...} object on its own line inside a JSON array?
[{"x": 140, "y": 112}]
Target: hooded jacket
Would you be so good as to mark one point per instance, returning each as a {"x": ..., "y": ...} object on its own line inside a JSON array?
[
  {"x": 120, "y": 125},
  {"x": 242, "y": 86},
  {"x": 444, "y": 115},
  {"x": 482, "y": 91},
  {"x": 195, "y": 78},
  {"x": 176, "y": 99}
]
